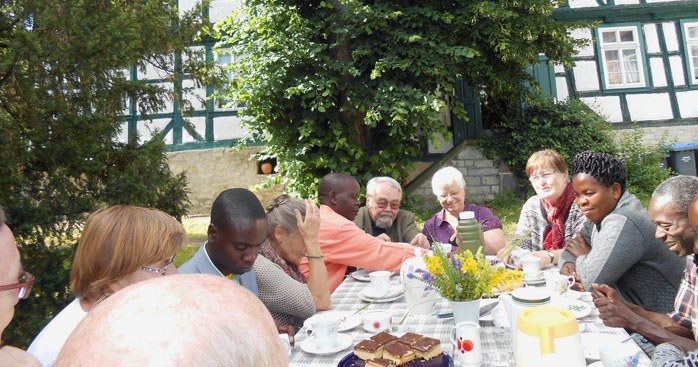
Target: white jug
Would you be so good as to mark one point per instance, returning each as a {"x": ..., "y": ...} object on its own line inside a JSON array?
[
  {"x": 521, "y": 299},
  {"x": 420, "y": 299}
]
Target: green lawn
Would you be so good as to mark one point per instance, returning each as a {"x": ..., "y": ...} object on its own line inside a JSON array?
[{"x": 506, "y": 206}]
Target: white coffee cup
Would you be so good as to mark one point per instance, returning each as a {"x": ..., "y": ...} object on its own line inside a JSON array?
[
  {"x": 531, "y": 266},
  {"x": 324, "y": 331},
  {"x": 517, "y": 255},
  {"x": 380, "y": 282},
  {"x": 446, "y": 247},
  {"x": 619, "y": 355},
  {"x": 558, "y": 284},
  {"x": 376, "y": 321},
  {"x": 465, "y": 337}
]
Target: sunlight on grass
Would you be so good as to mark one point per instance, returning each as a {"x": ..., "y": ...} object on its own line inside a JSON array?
[{"x": 196, "y": 228}]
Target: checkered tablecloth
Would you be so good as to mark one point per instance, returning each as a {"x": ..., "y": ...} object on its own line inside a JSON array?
[{"x": 345, "y": 298}]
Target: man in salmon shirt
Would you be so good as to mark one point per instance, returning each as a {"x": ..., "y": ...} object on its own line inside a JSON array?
[{"x": 344, "y": 244}]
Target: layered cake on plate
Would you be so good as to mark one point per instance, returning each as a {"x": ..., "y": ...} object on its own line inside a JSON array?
[{"x": 387, "y": 350}]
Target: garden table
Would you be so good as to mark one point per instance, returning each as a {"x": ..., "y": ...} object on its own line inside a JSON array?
[{"x": 345, "y": 298}]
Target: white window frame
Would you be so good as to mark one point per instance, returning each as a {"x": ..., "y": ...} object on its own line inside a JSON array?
[
  {"x": 621, "y": 46},
  {"x": 691, "y": 43}
]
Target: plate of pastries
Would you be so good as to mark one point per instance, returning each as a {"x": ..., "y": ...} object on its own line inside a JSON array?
[{"x": 388, "y": 350}]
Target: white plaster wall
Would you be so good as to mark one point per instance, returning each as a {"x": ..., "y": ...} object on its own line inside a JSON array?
[
  {"x": 585, "y": 76},
  {"x": 660, "y": 1},
  {"x": 585, "y": 34},
  {"x": 626, "y": 2},
  {"x": 561, "y": 86},
  {"x": 583, "y": 3},
  {"x": 221, "y": 9},
  {"x": 672, "y": 42},
  {"x": 169, "y": 103},
  {"x": 199, "y": 124},
  {"x": 658, "y": 74},
  {"x": 558, "y": 68},
  {"x": 644, "y": 107},
  {"x": 147, "y": 128},
  {"x": 122, "y": 136},
  {"x": 677, "y": 70},
  {"x": 196, "y": 94},
  {"x": 651, "y": 38},
  {"x": 607, "y": 106},
  {"x": 228, "y": 127},
  {"x": 688, "y": 104},
  {"x": 151, "y": 72}
]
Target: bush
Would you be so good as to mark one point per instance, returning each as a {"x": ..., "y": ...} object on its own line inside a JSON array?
[
  {"x": 642, "y": 163},
  {"x": 567, "y": 127}
]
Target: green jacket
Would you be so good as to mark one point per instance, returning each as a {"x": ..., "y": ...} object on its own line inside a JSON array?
[{"x": 404, "y": 227}]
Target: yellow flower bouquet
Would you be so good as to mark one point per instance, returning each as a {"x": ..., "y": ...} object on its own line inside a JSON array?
[{"x": 466, "y": 277}]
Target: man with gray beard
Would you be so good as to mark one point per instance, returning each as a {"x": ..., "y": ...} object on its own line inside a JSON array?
[{"x": 382, "y": 216}]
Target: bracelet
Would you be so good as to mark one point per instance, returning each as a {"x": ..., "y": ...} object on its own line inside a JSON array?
[{"x": 314, "y": 257}]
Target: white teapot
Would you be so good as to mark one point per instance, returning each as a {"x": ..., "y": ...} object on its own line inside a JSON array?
[{"x": 420, "y": 299}]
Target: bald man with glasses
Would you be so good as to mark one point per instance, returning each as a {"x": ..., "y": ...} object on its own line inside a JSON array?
[{"x": 15, "y": 284}]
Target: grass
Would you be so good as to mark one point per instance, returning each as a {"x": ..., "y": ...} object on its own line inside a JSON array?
[{"x": 506, "y": 206}]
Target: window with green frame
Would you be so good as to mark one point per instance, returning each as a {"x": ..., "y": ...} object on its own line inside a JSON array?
[
  {"x": 690, "y": 36},
  {"x": 621, "y": 57}
]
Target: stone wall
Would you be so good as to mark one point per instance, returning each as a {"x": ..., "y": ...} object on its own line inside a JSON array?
[
  {"x": 211, "y": 171},
  {"x": 668, "y": 135},
  {"x": 483, "y": 177}
]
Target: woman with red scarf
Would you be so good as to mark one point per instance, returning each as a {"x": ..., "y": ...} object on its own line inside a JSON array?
[{"x": 551, "y": 217}]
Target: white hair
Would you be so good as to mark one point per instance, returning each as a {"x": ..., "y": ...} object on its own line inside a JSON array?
[
  {"x": 447, "y": 176},
  {"x": 178, "y": 320},
  {"x": 373, "y": 183}
]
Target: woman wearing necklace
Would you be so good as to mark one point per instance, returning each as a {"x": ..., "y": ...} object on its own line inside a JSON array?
[
  {"x": 551, "y": 216},
  {"x": 293, "y": 234}
]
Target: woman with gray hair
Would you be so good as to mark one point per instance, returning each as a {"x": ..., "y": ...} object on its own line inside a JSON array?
[
  {"x": 293, "y": 235},
  {"x": 449, "y": 187}
]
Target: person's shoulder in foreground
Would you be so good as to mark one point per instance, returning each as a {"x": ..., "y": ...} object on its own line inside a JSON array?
[{"x": 182, "y": 320}]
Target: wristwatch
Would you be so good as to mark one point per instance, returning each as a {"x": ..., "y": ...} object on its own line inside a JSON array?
[{"x": 552, "y": 257}]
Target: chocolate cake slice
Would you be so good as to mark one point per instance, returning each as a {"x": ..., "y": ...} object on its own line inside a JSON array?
[
  {"x": 384, "y": 338},
  {"x": 398, "y": 353},
  {"x": 380, "y": 362},
  {"x": 409, "y": 338},
  {"x": 427, "y": 348},
  {"x": 368, "y": 349}
]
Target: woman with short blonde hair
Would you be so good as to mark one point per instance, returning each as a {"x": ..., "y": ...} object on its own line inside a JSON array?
[
  {"x": 551, "y": 217},
  {"x": 119, "y": 246}
]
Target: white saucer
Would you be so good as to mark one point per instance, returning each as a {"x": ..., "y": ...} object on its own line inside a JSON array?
[
  {"x": 380, "y": 300},
  {"x": 539, "y": 278},
  {"x": 578, "y": 308},
  {"x": 592, "y": 342},
  {"x": 361, "y": 275},
  {"x": 343, "y": 342},
  {"x": 596, "y": 364},
  {"x": 371, "y": 293},
  {"x": 347, "y": 319}
]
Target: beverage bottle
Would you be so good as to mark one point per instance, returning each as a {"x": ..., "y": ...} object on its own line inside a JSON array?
[{"x": 470, "y": 233}]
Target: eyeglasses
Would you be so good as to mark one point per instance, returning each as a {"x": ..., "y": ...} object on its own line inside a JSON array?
[
  {"x": 395, "y": 205},
  {"x": 162, "y": 270},
  {"x": 26, "y": 282},
  {"x": 542, "y": 176}
]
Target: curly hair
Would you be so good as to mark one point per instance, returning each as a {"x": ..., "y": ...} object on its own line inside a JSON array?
[{"x": 605, "y": 168}]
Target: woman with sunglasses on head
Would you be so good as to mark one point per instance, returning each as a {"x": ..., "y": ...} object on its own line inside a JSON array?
[
  {"x": 119, "y": 246},
  {"x": 551, "y": 217},
  {"x": 293, "y": 234},
  {"x": 15, "y": 284}
]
